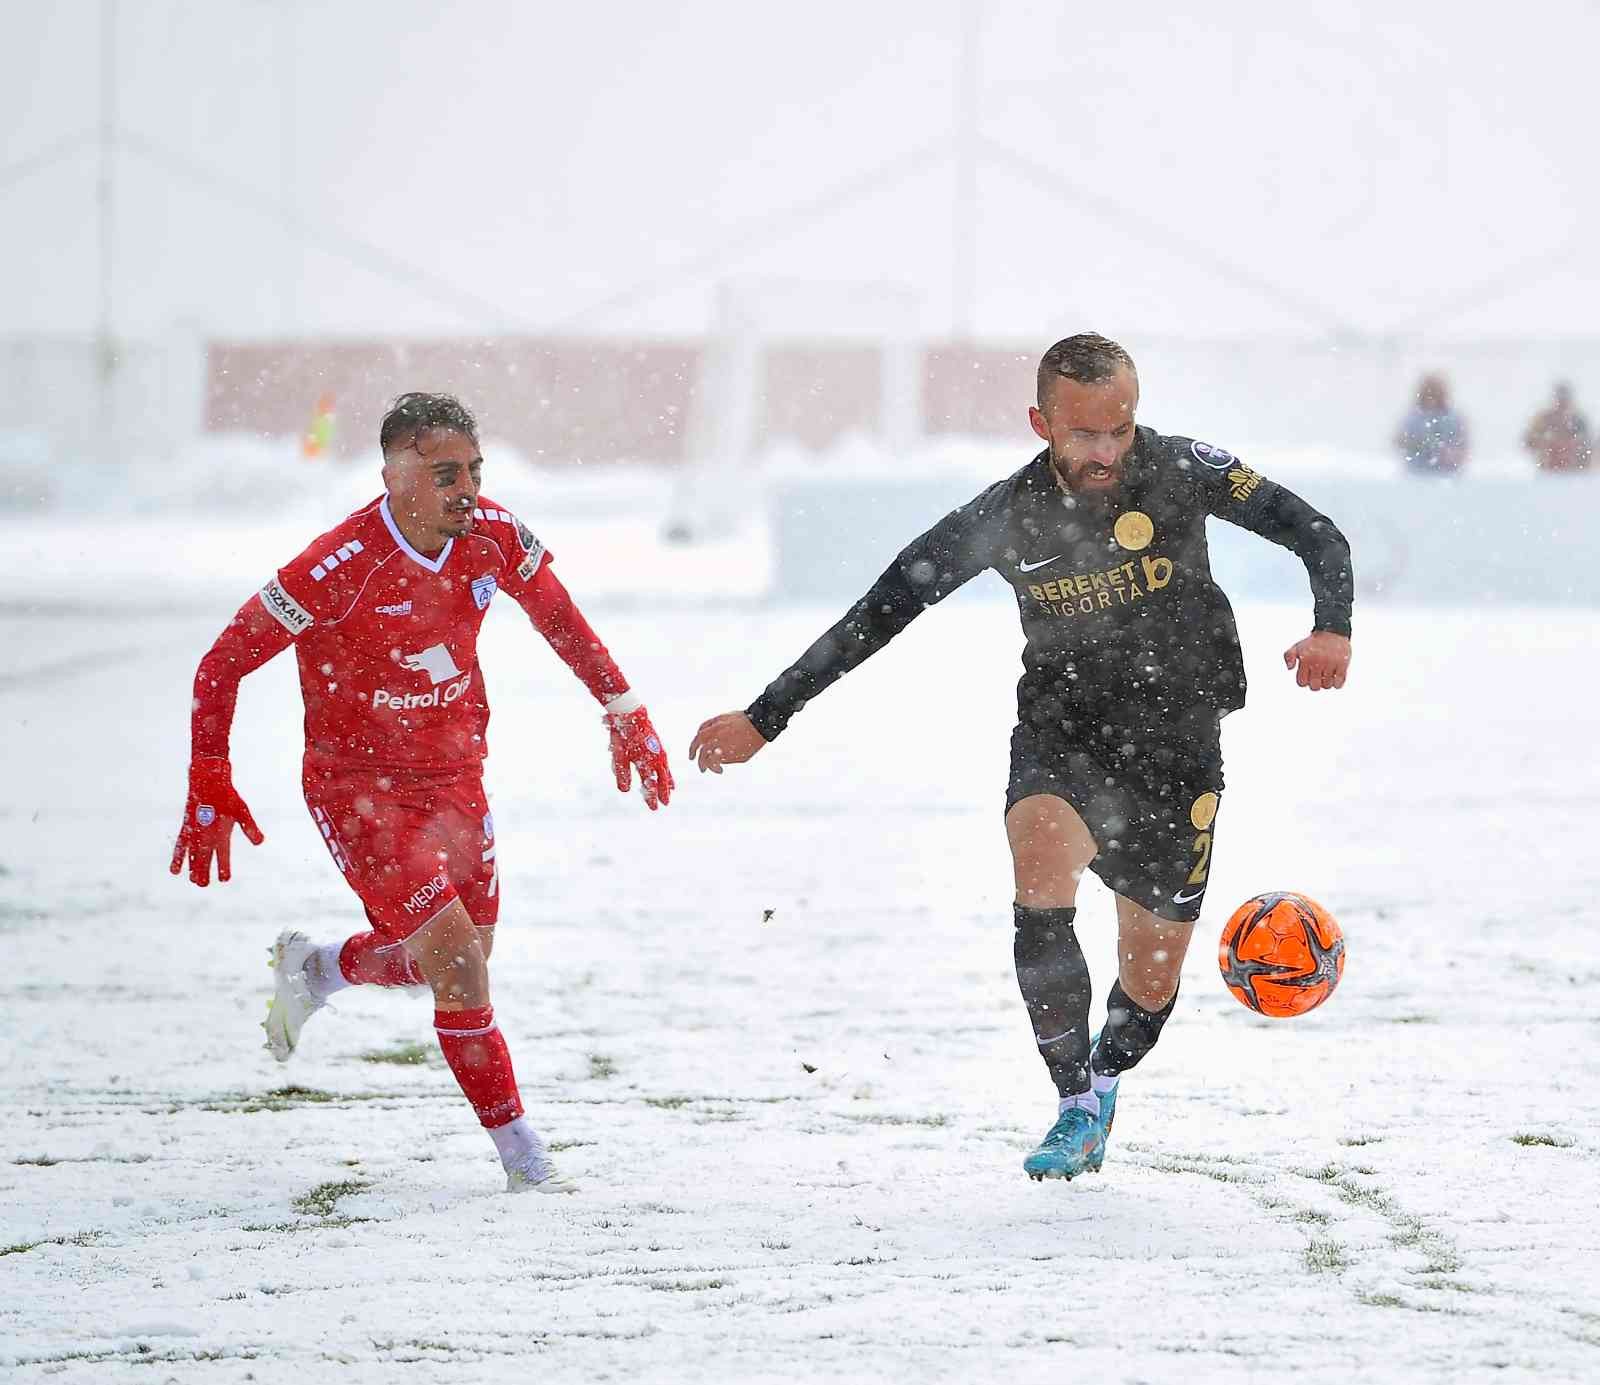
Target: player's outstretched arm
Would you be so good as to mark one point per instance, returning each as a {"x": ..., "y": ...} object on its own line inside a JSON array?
[
  {"x": 635, "y": 746},
  {"x": 213, "y": 805},
  {"x": 1320, "y": 661},
  {"x": 729, "y": 739}
]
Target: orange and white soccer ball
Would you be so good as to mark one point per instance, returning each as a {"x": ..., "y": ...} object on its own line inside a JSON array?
[{"x": 1281, "y": 954}]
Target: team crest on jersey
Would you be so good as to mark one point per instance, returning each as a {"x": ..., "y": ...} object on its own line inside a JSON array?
[
  {"x": 1217, "y": 458},
  {"x": 483, "y": 590}
]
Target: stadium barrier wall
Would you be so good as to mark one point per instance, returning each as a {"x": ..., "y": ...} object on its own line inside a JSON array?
[
  {"x": 1526, "y": 541},
  {"x": 581, "y": 400}
]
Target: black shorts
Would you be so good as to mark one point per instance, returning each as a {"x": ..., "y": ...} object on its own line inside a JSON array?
[{"x": 1149, "y": 800}]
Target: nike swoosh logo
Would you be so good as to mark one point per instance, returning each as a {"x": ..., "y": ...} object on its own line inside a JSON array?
[
  {"x": 1043, "y": 562},
  {"x": 1182, "y": 898}
]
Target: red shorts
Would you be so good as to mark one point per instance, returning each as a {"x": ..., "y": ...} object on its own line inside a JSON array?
[{"x": 409, "y": 842}]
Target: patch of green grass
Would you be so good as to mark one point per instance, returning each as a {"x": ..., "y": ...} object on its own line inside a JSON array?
[
  {"x": 1357, "y": 1196},
  {"x": 417, "y": 1344},
  {"x": 601, "y": 1067},
  {"x": 668, "y": 1103},
  {"x": 1313, "y": 1217},
  {"x": 1528, "y": 1138},
  {"x": 1202, "y": 1167},
  {"x": 1439, "y": 1256},
  {"x": 285, "y": 1099},
  {"x": 39, "y": 1161},
  {"x": 1357, "y": 1141},
  {"x": 293, "y": 1228},
  {"x": 81, "y": 1238},
  {"x": 1326, "y": 1257},
  {"x": 685, "y": 1286},
  {"x": 931, "y": 1122},
  {"x": 320, "y": 1201},
  {"x": 407, "y": 1055},
  {"x": 1381, "y": 1300}
]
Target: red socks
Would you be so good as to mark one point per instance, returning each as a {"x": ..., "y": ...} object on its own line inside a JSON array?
[
  {"x": 366, "y": 960},
  {"x": 476, "y": 1051}
]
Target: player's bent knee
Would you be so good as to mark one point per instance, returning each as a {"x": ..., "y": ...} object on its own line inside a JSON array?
[
  {"x": 450, "y": 954},
  {"x": 1050, "y": 849},
  {"x": 1149, "y": 992}
]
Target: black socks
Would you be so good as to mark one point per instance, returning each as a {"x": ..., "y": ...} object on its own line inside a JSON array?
[
  {"x": 1130, "y": 1032},
  {"x": 1054, "y": 979}
]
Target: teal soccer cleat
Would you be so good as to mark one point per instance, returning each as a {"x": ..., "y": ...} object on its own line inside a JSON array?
[
  {"x": 1108, "y": 1113},
  {"x": 1073, "y": 1145}
]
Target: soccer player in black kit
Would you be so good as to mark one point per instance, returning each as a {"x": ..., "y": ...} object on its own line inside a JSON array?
[{"x": 1131, "y": 661}]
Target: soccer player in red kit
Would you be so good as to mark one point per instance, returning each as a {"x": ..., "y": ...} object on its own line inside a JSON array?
[{"x": 384, "y": 612}]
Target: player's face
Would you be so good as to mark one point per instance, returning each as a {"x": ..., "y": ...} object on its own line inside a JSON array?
[
  {"x": 433, "y": 485},
  {"x": 1089, "y": 429}
]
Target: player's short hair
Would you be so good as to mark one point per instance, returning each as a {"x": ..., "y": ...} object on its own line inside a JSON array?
[
  {"x": 1087, "y": 358},
  {"x": 417, "y": 412}
]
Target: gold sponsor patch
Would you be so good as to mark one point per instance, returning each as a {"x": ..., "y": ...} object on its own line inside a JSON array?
[
  {"x": 1242, "y": 482},
  {"x": 1203, "y": 811},
  {"x": 1134, "y": 530}
]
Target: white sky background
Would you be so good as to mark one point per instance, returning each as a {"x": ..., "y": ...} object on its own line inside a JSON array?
[{"x": 1252, "y": 172}]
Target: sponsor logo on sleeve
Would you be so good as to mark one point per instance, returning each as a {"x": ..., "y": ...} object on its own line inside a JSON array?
[
  {"x": 1217, "y": 458},
  {"x": 284, "y": 609},
  {"x": 530, "y": 546},
  {"x": 1242, "y": 482}
]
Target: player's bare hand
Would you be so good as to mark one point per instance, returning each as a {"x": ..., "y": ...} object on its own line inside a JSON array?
[
  {"x": 635, "y": 746},
  {"x": 1321, "y": 660},
  {"x": 208, "y": 821},
  {"x": 729, "y": 739}
]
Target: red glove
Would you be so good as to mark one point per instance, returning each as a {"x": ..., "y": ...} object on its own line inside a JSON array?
[
  {"x": 635, "y": 745},
  {"x": 208, "y": 820}
]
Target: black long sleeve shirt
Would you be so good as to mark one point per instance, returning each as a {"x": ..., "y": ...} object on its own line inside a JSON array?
[{"x": 1122, "y": 621}]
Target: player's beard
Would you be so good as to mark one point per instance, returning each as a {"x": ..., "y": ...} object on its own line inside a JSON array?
[{"x": 1085, "y": 478}]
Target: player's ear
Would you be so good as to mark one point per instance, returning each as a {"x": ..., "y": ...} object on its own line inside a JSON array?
[{"x": 1039, "y": 425}]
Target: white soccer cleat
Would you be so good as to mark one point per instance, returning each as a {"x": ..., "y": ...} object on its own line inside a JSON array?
[
  {"x": 292, "y": 1003},
  {"x": 537, "y": 1176}
]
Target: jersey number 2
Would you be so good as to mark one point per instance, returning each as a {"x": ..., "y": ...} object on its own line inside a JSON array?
[{"x": 1202, "y": 848}]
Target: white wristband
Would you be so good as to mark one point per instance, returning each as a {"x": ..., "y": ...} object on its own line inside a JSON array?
[{"x": 622, "y": 703}]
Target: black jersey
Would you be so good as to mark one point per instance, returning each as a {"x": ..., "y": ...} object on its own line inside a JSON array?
[{"x": 1122, "y": 620}]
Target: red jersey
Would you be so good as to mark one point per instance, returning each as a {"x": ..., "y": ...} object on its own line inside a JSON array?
[{"x": 387, "y": 640}]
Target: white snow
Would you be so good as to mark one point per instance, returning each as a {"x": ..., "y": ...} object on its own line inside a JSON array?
[{"x": 1401, "y": 1186}]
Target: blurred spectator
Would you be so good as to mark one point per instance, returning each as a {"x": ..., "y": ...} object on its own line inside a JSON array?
[
  {"x": 1433, "y": 436},
  {"x": 1558, "y": 437}
]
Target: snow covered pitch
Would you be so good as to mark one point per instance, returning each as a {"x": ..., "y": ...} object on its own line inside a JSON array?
[{"x": 775, "y": 1034}]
